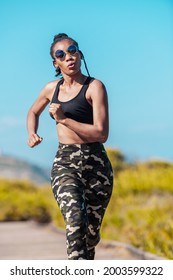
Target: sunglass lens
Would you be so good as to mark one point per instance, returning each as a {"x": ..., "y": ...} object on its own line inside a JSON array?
[
  {"x": 59, "y": 54},
  {"x": 72, "y": 49}
]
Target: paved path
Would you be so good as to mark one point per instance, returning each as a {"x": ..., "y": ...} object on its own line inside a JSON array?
[{"x": 31, "y": 241}]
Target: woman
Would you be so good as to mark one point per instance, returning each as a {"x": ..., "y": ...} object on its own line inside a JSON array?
[{"x": 81, "y": 175}]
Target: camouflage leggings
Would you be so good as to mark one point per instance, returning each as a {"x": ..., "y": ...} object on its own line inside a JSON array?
[{"x": 82, "y": 181}]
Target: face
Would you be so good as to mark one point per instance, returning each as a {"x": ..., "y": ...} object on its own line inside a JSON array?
[{"x": 66, "y": 57}]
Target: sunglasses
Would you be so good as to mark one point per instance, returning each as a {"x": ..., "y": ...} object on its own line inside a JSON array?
[{"x": 72, "y": 49}]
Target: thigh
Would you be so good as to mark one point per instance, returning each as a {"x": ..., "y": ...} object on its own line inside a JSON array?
[
  {"x": 98, "y": 189},
  {"x": 67, "y": 185},
  {"x": 99, "y": 179}
]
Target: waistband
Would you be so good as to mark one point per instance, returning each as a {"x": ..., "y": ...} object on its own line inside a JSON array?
[{"x": 83, "y": 145}]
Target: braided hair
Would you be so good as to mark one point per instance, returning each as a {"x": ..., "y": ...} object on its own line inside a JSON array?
[{"x": 60, "y": 37}]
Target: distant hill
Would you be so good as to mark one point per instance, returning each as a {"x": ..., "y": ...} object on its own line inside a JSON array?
[{"x": 13, "y": 168}]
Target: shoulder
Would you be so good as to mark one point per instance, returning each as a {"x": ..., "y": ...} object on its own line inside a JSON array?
[
  {"x": 96, "y": 84},
  {"x": 49, "y": 88},
  {"x": 51, "y": 85},
  {"x": 97, "y": 88}
]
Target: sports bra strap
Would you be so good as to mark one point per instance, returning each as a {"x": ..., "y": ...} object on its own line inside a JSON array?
[{"x": 54, "y": 99}]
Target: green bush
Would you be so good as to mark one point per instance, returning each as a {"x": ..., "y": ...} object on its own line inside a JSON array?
[
  {"x": 117, "y": 159},
  {"x": 141, "y": 209}
]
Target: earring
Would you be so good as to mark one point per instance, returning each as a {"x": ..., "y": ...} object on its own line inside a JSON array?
[{"x": 58, "y": 71}]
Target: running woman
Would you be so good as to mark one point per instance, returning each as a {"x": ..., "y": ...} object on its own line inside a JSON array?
[{"x": 81, "y": 175}]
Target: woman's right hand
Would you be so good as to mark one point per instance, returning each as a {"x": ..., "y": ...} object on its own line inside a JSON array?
[{"x": 34, "y": 140}]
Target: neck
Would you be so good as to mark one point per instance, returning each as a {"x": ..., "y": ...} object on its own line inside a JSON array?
[{"x": 77, "y": 78}]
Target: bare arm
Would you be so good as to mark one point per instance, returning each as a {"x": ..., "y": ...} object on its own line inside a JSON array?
[
  {"x": 33, "y": 116},
  {"x": 98, "y": 131}
]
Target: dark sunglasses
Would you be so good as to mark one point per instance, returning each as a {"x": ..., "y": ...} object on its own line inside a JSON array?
[{"x": 72, "y": 49}]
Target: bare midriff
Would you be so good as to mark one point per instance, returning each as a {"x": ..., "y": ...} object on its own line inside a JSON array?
[{"x": 67, "y": 136}]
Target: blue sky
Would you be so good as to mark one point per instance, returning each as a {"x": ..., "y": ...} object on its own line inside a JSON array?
[{"x": 127, "y": 44}]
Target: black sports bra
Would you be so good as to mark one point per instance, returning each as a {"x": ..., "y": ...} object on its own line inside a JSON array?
[{"x": 78, "y": 107}]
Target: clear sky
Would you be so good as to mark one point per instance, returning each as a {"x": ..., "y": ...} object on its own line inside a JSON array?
[{"x": 128, "y": 44}]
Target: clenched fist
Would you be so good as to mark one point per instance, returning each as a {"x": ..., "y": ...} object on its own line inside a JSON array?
[
  {"x": 34, "y": 140},
  {"x": 56, "y": 111}
]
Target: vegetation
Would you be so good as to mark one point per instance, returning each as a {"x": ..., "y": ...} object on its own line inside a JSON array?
[{"x": 140, "y": 210}]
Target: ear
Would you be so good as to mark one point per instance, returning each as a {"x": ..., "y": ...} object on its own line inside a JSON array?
[
  {"x": 81, "y": 54},
  {"x": 54, "y": 63}
]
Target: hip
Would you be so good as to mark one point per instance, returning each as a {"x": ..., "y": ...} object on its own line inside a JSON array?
[{"x": 85, "y": 157}]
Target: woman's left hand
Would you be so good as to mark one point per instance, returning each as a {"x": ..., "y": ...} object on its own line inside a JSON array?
[{"x": 56, "y": 110}]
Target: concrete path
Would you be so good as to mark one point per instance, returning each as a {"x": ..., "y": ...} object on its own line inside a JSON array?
[{"x": 31, "y": 241}]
